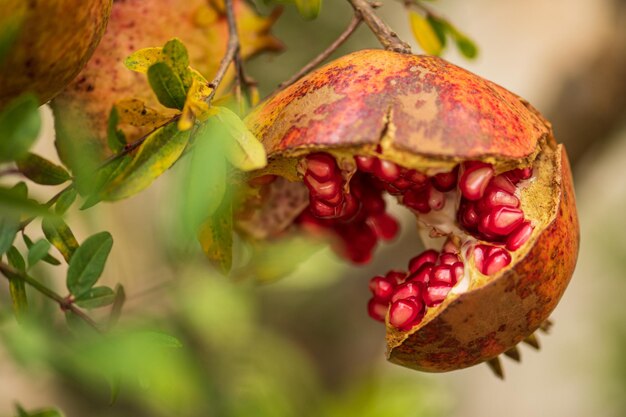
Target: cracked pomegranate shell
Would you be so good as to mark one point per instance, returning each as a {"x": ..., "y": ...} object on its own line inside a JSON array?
[{"x": 477, "y": 165}]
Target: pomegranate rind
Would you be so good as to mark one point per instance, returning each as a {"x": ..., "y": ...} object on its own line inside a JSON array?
[
  {"x": 419, "y": 104},
  {"x": 480, "y": 324}
]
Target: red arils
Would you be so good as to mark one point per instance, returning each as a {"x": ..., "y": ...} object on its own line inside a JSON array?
[
  {"x": 365, "y": 163},
  {"x": 436, "y": 294},
  {"x": 382, "y": 288},
  {"x": 504, "y": 220},
  {"x": 404, "y": 313},
  {"x": 475, "y": 179},
  {"x": 385, "y": 227},
  {"x": 322, "y": 166},
  {"x": 519, "y": 236},
  {"x": 410, "y": 289},
  {"x": 377, "y": 309},
  {"x": 498, "y": 259},
  {"x": 448, "y": 258},
  {"x": 446, "y": 181},
  {"x": 430, "y": 255},
  {"x": 423, "y": 274},
  {"x": 324, "y": 190},
  {"x": 442, "y": 275},
  {"x": 436, "y": 199},
  {"x": 386, "y": 170},
  {"x": 417, "y": 199},
  {"x": 396, "y": 276}
]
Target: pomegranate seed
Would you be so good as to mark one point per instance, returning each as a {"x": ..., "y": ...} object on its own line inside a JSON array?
[
  {"x": 351, "y": 207},
  {"x": 475, "y": 179},
  {"x": 416, "y": 262},
  {"x": 442, "y": 275},
  {"x": 519, "y": 236},
  {"x": 503, "y": 220},
  {"x": 377, "y": 309},
  {"x": 382, "y": 288},
  {"x": 409, "y": 289},
  {"x": 387, "y": 170},
  {"x": 417, "y": 199},
  {"x": 325, "y": 190},
  {"x": 403, "y": 313},
  {"x": 448, "y": 259},
  {"x": 504, "y": 183},
  {"x": 498, "y": 259},
  {"x": 323, "y": 211},
  {"x": 436, "y": 199},
  {"x": 484, "y": 227},
  {"x": 450, "y": 247},
  {"x": 436, "y": 294},
  {"x": 518, "y": 174},
  {"x": 391, "y": 189},
  {"x": 321, "y": 166},
  {"x": 458, "y": 269},
  {"x": 334, "y": 201},
  {"x": 479, "y": 257},
  {"x": 495, "y": 197},
  {"x": 373, "y": 203},
  {"x": 416, "y": 177},
  {"x": 396, "y": 276},
  {"x": 446, "y": 181},
  {"x": 402, "y": 184},
  {"x": 385, "y": 227},
  {"x": 365, "y": 163},
  {"x": 468, "y": 216},
  {"x": 423, "y": 275}
]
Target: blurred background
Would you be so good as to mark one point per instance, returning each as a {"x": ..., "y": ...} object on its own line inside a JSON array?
[{"x": 304, "y": 345}]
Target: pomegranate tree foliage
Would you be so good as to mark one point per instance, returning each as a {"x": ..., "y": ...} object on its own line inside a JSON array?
[{"x": 137, "y": 363}]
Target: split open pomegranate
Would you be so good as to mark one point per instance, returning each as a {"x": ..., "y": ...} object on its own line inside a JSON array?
[{"x": 479, "y": 167}]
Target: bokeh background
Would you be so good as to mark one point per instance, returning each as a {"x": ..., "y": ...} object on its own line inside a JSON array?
[{"x": 304, "y": 345}]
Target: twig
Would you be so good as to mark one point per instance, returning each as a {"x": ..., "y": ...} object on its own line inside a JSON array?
[
  {"x": 232, "y": 49},
  {"x": 64, "y": 303},
  {"x": 387, "y": 37},
  {"x": 354, "y": 24}
]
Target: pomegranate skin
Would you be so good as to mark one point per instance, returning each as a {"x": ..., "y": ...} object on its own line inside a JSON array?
[
  {"x": 509, "y": 308},
  {"x": 424, "y": 104},
  {"x": 415, "y": 109}
]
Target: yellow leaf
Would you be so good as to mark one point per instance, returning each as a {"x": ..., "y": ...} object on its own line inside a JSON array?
[
  {"x": 142, "y": 59},
  {"x": 196, "y": 107},
  {"x": 135, "y": 113},
  {"x": 424, "y": 34},
  {"x": 244, "y": 150}
]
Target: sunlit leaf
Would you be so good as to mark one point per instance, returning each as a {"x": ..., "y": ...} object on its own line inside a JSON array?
[
  {"x": 37, "y": 252},
  {"x": 176, "y": 57},
  {"x": 143, "y": 59},
  {"x": 309, "y": 9},
  {"x": 87, "y": 263},
  {"x": 60, "y": 235},
  {"x": 65, "y": 201},
  {"x": 20, "y": 123},
  {"x": 17, "y": 287},
  {"x": 104, "y": 178},
  {"x": 196, "y": 107},
  {"x": 96, "y": 297},
  {"x": 466, "y": 46},
  {"x": 135, "y": 113},
  {"x": 216, "y": 237},
  {"x": 115, "y": 137},
  {"x": 156, "y": 154},
  {"x": 42, "y": 171},
  {"x": 243, "y": 150},
  {"x": 425, "y": 35},
  {"x": 167, "y": 85}
]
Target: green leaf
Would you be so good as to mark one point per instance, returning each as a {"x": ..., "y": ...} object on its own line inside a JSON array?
[
  {"x": 16, "y": 260},
  {"x": 60, "y": 235},
  {"x": 48, "y": 412},
  {"x": 243, "y": 149},
  {"x": 65, "y": 200},
  {"x": 141, "y": 60},
  {"x": 425, "y": 35},
  {"x": 105, "y": 176},
  {"x": 176, "y": 57},
  {"x": 37, "y": 252},
  {"x": 10, "y": 27},
  {"x": 115, "y": 137},
  {"x": 216, "y": 237},
  {"x": 167, "y": 85},
  {"x": 87, "y": 263},
  {"x": 467, "y": 47},
  {"x": 309, "y": 9},
  {"x": 96, "y": 297},
  {"x": 156, "y": 154},
  {"x": 17, "y": 287},
  {"x": 204, "y": 182},
  {"x": 9, "y": 227},
  {"x": 19, "y": 127},
  {"x": 42, "y": 171},
  {"x": 439, "y": 27},
  {"x": 14, "y": 203}
]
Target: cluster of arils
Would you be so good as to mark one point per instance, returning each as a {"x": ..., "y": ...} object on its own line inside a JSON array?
[{"x": 487, "y": 215}]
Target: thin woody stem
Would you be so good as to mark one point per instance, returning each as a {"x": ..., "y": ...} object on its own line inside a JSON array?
[
  {"x": 64, "y": 303},
  {"x": 354, "y": 24},
  {"x": 387, "y": 37}
]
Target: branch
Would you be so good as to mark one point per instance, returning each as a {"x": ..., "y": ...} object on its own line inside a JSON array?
[
  {"x": 387, "y": 37},
  {"x": 64, "y": 303},
  {"x": 354, "y": 24}
]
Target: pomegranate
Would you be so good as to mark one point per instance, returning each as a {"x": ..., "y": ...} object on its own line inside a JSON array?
[
  {"x": 54, "y": 41},
  {"x": 479, "y": 168}
]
